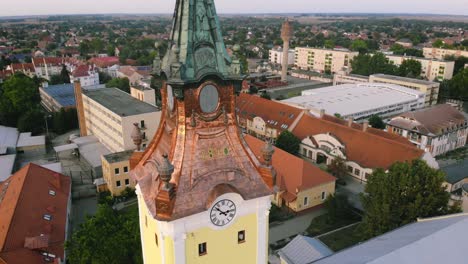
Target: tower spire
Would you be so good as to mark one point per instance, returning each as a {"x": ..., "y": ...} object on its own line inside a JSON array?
[{"x": 196, "y": 47}]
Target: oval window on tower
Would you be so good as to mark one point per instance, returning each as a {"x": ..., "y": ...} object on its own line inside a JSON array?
[{"x": 209, "y": 98}]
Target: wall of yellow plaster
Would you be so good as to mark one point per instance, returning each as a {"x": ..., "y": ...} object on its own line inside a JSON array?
[
  {"x": 149, "y": 227},
  {"x": 314, "y": 196},
  {"x": 108, "y": 173},
  {"x": 222, "y": 245}
]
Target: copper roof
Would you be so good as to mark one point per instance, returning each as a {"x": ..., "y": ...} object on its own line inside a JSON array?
[
  {"x": 293, "y": 173},
  {"x": 205, "y": 157},
  {"x": 275, "y": 114},
  {"x": 370, "y": 149},
  {"x": 23, "y": 207},
  {"x": 431, "y": 121}
]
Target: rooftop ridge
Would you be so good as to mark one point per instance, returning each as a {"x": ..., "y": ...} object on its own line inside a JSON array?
[{"x": 360, "y": 130}]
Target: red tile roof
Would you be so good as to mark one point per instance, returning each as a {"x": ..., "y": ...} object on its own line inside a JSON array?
[
  {"x": 82, "y": 71},
  {"x": 24, "y": 199},
  {"x": 23, "y": 67},
  {"x": 275, "y": 114},
  {"x": 370, "y": 149},
  {"x": 293, "y": 173},
  {"x": 55, "y": 61},
  {"x": 105, "y": 62}
]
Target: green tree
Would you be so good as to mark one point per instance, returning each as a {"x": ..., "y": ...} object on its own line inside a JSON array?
[
  {"x": 120, "y": 83},
  {"x": 359, "y": 45},
  {"x": 338, "y": 208},
  {"x": 365, "y": 64},
  {"x": 410, "y": 68},
  {"x": 265, "y": 95},
  {"x": 438, "y": 43},
  {"x": 31, "y": 121},
  {"x": 458, "y": 85},
  {"x": 338, "y": 167},
  {"x": 399, "y": 197},
  {"x": 329, "y": 44},
  {"x": 107, "y": 237},
  {"x": 376, "y": 122},
  {"x": 460, "y": 63},
  {"x": 288, "y": 142},
  {"x": 20, "y": 94},
  {"x": 65, "y": 74}
]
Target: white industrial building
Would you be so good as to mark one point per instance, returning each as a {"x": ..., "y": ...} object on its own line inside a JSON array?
[{"x": 360, "y": 101}]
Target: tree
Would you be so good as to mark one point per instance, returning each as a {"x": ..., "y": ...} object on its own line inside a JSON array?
[
  {"x": 107, "y": 237},
  {"x": 20, "y": 94},
  {"x": 120, "y": 83},
  {"x": 460, "y": 63},
  {"x": 458, "y": 85},
  {"x": 376, "y": 122},
  {"x": 338, "y": 208},
  {"x": 365, "y": 64},
  {"x": 359, "y": 45},
  {"x": 288, "y": 142},
  {"x": 410, "y": 68},
  {"x": 265, "y": 95},
  {"x": 438, "y": 43},
  {"x": 399, "y": 197},
  {"x": 338, "y": 167},
  {"x": 31, "y": 121},
  {"x": 65, "y": 74},
  {"x": 104, "y": 77}
]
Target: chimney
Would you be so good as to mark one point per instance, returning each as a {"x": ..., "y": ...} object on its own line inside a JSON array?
[
  {"x": 322, "y": 113},
  {"x": 365, "y": 126},
  {"x": 80, "y": 108},
  {"x": 350, "y": 121}
]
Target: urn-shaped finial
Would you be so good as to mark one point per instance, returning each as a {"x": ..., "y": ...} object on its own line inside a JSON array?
[
  {"x": 165, "y": 170},
  {"x": 136, "y": 136}
]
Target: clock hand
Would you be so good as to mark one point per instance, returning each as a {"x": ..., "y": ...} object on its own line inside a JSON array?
[{"x": 221, "y": 212}]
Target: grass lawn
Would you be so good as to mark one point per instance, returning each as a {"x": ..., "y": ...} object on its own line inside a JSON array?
[
  {"x": 342, "y": 239},
  {"x": 321, "y": 224}
]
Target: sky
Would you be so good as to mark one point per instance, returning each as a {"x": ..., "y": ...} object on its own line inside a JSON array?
[{"x": 46, "y": 7}]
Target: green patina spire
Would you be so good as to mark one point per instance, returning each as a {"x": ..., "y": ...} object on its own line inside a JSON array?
[{"x": 196, "y": 48}]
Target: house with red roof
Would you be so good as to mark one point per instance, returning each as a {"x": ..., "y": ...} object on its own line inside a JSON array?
[
  {"x": 264, "y": 118},
  {"x": 86, "y": 74},
  {"x": 35, "y": 206},
  {"x": 300, "y": 184}
]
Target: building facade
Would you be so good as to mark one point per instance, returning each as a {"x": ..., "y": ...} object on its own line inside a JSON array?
[
  {"x": 300, "y": 185},
  {"x": 87, "y": 75},
  {"x": 115, "y": 171},
  {"x": 263, "y": 119},
  {"x": 437, "y": 130},
  {"x": 276, "y": 56},
  {"x": 431, "y": 89},
  {"x": 324, "y": 60},
  {"x": 431, "y": 69},
  {"x": 440, "y": 54},
  {"x": 143, "y": 93},
  {"x": 110, "y": 115}
]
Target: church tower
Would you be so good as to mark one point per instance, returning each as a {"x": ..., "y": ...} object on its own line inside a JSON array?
[{"x": 203, "y": 196}]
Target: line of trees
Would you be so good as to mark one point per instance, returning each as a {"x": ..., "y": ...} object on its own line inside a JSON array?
[{"x": 366, "y": 64}]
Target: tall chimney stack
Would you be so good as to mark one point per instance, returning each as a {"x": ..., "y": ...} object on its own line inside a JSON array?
[
  {"x": 80, "y": 108},
  {"x": 286, "y": 35}
]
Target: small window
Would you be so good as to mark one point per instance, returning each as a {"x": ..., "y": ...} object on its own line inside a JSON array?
[
  {"x": 52, "y": 192},
  {"x": 306, "y": 200},
  {"x": 324, "y": 195},
  {"x": 202, "y": 249},
  {"x": 350, "y": 169},
  {"x": 156, "y": 239},
  {"x": 118, "y": 183},
  {"x": 127, "y": 182},
  {"x": 117, "y": 171},
  {"x": 144, "y": 135},
  {"x": 142, "y": 123},
  {"x": 241, "y": 236},
  {"x": 144, "y": 145},
  {"x": 47, "y": 217},
  {"x": 125, "y": 169},
  {"x": 357, "y": 172}
]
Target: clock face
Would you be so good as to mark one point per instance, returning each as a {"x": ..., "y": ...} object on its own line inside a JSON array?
[
  {"x": 223, "y": 212},
  {"x": 170, "y": 98},
  {"x": 209, "y": 98}
]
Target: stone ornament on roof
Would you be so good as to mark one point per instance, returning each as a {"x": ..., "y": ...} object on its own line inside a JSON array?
[{"x": 137, "y": 136}]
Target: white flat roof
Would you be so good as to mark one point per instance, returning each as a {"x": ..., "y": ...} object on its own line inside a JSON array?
[
  {"x": 8, "y": 136},
  {"x": 6, "y": 166},
  {"x": 25, "y": 140},
  {"x": 91, "y": 149},
  {"x": 65, "y": 147},
  {"x": 350, "y": 99}
]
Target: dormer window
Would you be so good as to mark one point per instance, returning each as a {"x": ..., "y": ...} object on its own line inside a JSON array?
[
  {"x": 47, "y": 217},
  {"x": 52, "y": 192}
]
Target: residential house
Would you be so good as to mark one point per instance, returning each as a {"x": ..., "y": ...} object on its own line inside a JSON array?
[
  {"x": 87, "y": 75},
  {"x": 300, "y": 184},
  {"x": 438, "y": 130},
  {"x": 115, "y": 171},
  {"x": 263, "y": 118},
  {"x": 35, "y": 207},
  {"x": 134, "y": 73}
]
